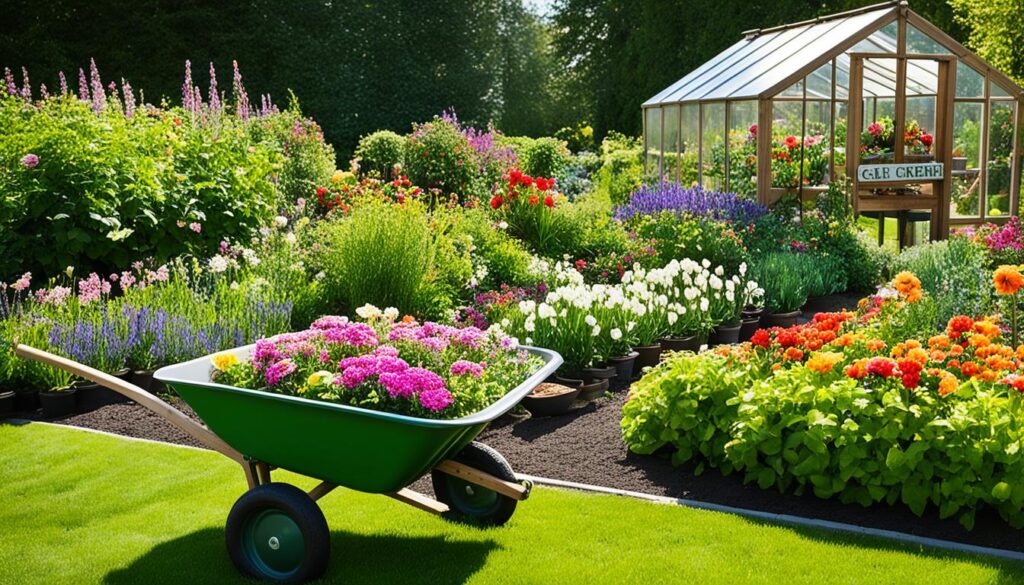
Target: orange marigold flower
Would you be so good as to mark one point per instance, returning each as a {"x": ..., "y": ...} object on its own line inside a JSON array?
[
  {"x": 918, "y": 355},
  {"x": 1007, "y": 279},
  {"x": 948, "y": 385},
  {"x": 912, "y": 344},
  {"x": 793, "y": 354},
  {"x": 937, "y": 355},
  {"x": 987, "y": 328},
  {"x": 876, "y": 345},
  {"x": 953, "y": 364},
  {"x": 979, "y": 340},
  {"x": 846, "y": 340},
  {"x": 858, "y": 369},
  {"x": 939, "y": 342},
  {"x": 1020, "y": 352},
  {"x": 823, "y": 361},
  {"x": 988, "y": 375},
  {"x": 970, "y": 369},
  {"x": 958, "y": 325},
  {"x": 957, "y": 349},
  {"x": 776, "y": 367}
]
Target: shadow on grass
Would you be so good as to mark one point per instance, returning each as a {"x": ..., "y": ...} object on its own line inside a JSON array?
[{"x": 201, "y": 557}]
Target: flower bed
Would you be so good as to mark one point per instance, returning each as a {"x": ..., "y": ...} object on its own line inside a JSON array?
[
  {"x": 427, "y": 370},
  {"x": 850, "y": 406}
]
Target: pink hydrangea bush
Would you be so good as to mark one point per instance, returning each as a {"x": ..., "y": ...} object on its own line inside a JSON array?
[{"x": 428, "y": 370}]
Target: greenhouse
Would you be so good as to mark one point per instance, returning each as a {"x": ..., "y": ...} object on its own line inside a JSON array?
[{"x": 769, "y": 117}]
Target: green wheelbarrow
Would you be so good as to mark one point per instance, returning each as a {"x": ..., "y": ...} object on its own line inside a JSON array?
[{"x": 276, "y": 531}]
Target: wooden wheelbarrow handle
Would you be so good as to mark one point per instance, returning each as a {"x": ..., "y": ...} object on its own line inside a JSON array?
[{"x": 143, "y": 398}]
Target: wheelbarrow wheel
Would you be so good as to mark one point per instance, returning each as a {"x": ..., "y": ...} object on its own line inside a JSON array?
[
  {"x": 275, "y": 532},
  {"x": 472, "y": 503}
]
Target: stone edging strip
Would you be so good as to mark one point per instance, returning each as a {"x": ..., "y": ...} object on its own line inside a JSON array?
[
  {"x": 789, "y": 519},
  {"x": 784, "y": 519}
]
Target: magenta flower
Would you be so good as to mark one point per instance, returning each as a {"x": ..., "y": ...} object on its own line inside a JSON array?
[
  {"x": 30, "y": 161},
  {"x": 279, "y": 370},
  {"x": 436, "y": 400},
  {"x": 464, "y": 367},
  {"x": 353, "y": 334}
]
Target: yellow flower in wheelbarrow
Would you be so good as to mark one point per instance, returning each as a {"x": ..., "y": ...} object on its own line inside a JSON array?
[
  {"x": 223, "y": 361},
  {"x": 320, "y": 378}
]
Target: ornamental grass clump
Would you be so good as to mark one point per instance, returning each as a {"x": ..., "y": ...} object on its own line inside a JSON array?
[{"x": 426, "y": 369}]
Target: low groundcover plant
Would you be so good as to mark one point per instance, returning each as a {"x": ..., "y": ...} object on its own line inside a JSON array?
[{"x": 402, "y": 366}]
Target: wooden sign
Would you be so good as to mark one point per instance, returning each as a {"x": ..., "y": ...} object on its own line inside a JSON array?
[{"x": 910, "y": 172}]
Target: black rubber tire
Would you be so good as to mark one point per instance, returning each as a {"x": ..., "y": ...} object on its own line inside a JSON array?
[
  {"x": 447, "y": 488},
  {"x": 285, "y": 502}
]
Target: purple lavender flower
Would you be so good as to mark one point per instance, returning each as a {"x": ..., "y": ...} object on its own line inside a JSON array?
[
  {"x": 129, "y": 100},
  {"x": 99, "y": 97},
  {"x": 695, "y": 202},
  {"x": 63, "y": 84},
  {"x": 83, "y": 86},
  {"x": 186, "y": 89},
  {"x": 30, "y": 161},
  {"x": 12, "y": 89},
  {"x": 26, "y": 87},
  {"x": 43, "y": 91},
  {"x": 238, "y": 91}
]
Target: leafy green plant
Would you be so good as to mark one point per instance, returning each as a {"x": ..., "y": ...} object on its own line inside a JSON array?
[
  {"x": 379, "y": 153},
  {"x": 544, "y": 157},
  {"x": 782, "y": 275},
  {"x": 954, "y": 272},
  {"x": 438, "y": 156},
  {"x": 307, "y": 161}
]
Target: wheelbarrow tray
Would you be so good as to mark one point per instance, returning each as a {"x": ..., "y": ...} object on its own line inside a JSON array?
[{"x": 366, "y": 450}]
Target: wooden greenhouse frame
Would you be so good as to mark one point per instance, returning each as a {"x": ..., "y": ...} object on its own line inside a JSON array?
[{"x": 886, "y": 58}]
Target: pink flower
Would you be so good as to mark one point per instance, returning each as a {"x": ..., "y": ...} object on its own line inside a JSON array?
[
  {"x": 30, "y": 161},
  {"x": 279, "y": 370},
  {"x": 195, "y": 226},
  {"x": 92, "y": 288},
  {"x": 463, "y": 367},
  {"x": 436, "y": 400},
  {"x": 875, "y": 129},
  {"x": 23, "y": 283}
]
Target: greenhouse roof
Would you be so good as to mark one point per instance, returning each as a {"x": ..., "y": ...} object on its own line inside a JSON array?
[{"x": 763, "y": 59}]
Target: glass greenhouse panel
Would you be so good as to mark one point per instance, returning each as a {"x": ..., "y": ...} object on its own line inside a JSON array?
[
  {"x": 841, "y": 119},
  {"x": 996, "y": 90},
  {"x": 688, "y": 159},
  {"x": 969, "y": 83},
  {"x": 670, "y": 161},
  {"x": 1000, "y": 157},
  {"x": 787, "y": 144},
  {"x": 816, "y": 148},
  {"x": 922, "y": 44},
  {"x": 819, "y": 82},
  {"x": 743, "y": 147},
  {"x": 967, "y": 133},
  {"x": 653, "y": 141},
  {"x": 739, "y": 73},
  {"x": 713, "y": 146}
]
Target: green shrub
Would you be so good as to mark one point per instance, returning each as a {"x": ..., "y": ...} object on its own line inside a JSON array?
[
  {"x": 954, "y": 272},
  {"x": 112, "y": 189},
  {"x": 438, "y": 156},
  {"x": 676, "y": 238},
  {"x": 783, "y": 276},
  {"x": 545, "y": 157},
  {"x": 379, "y": 153},
  {"x": 577, "y": 139},
  {"x": 797, "y": 431},
  {"x": 308, "y": 162},
  {"x": 622, "y": 167},
  {"x": 504, "y": 259}
]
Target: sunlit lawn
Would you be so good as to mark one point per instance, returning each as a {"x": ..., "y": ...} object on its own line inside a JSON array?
[{"x": 77, "y": 507}]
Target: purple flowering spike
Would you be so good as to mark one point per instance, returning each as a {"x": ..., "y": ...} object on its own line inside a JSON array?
[
  {"x": 26, "y": 87},
  {"x": 694, "y": 202},
  {"x": 186, "y": 88},
  {"x": 238, "y": 92},
  {"x": 129, "y": 100},
  {"x": 9, "y": 80},
  {"x": 63, "y": 84},
  {"x": 99, "y": 97},
  {"x": 214, "y": 94},
  {"x": 43, "y": 91},
  {"x": 83, "y": 86}
]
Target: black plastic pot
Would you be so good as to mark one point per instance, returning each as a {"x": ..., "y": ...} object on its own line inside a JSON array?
[
  {"x": 748, "y": 327},
  {"x": 725, "y": 335},
  {"x": 782, "y": 319},
  {"x": 58, "y": 403},
  {"x": 591, "y": 391},
  {"x": 92, "y": 396},
  {"x": 144, "y": 379},
  {"x": 690, "y": 343},
  {"x": 624, "y": 366},
  {"x": 751, "y": 312},
  {"x": 26, "y": 400},
  {"x": 570, "y": 382},
  {"x": 647, "y": 356},
  {"x": 7, "y": 401},
  {"x": 591, "y": 375},
  {"x": 551, "y": 405}
]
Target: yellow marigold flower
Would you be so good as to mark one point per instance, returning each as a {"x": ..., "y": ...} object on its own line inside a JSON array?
[
  {"x": 979, "y": 340},
  {"x": 318, "y": 378},
  {"x": 223, "y": 361},
  {"x": 987, "y": 328},
  {"x": 908, "y": 285},
  {"x": 823, "y": 361},
  {"x": 948, "y": 385}
]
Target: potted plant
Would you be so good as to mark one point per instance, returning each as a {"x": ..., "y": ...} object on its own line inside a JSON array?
[
  {"x": 7, "y": 401},
  {"x": 59, "y": 398},
  {"x": 727, "y": 302},
  {"x": 877, "y": 142},
  {"x": 550, "y": 399},
  {"x": 959, "y": 159},
  {"x": 825, "y": 275},
  {"x": 782, "y": 276},
  {"x": 918, "y": 143},
  {"x": 753, "y": 307}
]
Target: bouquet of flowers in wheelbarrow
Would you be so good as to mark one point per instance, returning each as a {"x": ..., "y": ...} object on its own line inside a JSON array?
[{"x": 371, "y": 406}]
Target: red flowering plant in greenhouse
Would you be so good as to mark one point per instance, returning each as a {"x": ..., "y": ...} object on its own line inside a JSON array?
[{"x": 527, "y": 205}]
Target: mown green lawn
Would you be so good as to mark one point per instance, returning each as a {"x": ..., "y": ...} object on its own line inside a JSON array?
[{"x": 77, "y": 507}]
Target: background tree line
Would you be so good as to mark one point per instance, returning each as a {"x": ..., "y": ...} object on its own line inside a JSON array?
[{"x": 359, "y": 66}]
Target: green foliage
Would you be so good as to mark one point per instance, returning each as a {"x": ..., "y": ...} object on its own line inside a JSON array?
[
  {"x": 544, "y": 157},
  {"x": 622, "y": 166},
  {"x": 579, "y": 138},
  {"x": 677, "y": 238},
  {"x": 380, "y": 152},
  {"x": 954, "y": 272},
  {"x": 784, "y": 278},
  {"x": 800, "y": 431},
  {"x": 503, "y": 258},
  {"x": 308, "y": 161},
  {"x": 995, "y": 32},
  {"x": 112, "y": 190},
  {"x": 438, "y": 156}
]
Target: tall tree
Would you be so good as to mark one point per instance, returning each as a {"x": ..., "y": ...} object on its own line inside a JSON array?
[{"x": 996, "y": 32}]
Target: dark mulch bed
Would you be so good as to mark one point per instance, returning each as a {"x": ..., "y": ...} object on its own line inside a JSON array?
[{"x": 586, "y": 446}]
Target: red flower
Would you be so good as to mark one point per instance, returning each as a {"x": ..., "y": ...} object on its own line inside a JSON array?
[
  {"x": 526, "y": 180},
  {"x": 542, "y": 184},
  {"x": 761, "y": 338},
  {"x": 792, "y": 142},
  {"x": 881, "y": 366},
  {"x": 581, "y": 264},
  {"x": 513, "y": 177},
  {"x": 926, "y": 139},
  {"x": 320, "y": 191},
  {"x": 549, "y": 201},
  {"x": 753, "y": 130},
  {"x": 496, "y": 201},
  {"x": 534, "y": 200}
]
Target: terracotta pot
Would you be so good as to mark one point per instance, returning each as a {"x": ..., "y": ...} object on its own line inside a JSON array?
[
  {"x": 57, "y": 403},
  {"x": 591, "y": 375},
  {"x": 691, "y": 343},
  {"x": 592, "y": 391},
  {"x": 624, "y": 366},
  {"x": 647, "y": 356},
  {"x": 556, "y": 399},
  {"x": 748, "y": 327},
  {"x": 783, "y": 319},
  {"x": 7, "y": 401},
  {"x": 26, "y": 400},
  {"x": 725, "y": 335}
]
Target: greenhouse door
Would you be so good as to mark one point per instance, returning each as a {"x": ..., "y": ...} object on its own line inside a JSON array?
[{"x": 900, "y": 156}]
